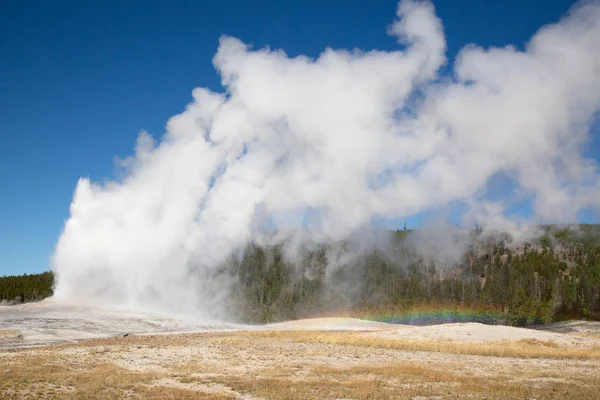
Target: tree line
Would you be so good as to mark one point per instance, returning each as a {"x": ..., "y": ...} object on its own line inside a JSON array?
[
  {"x": 555, "y": 276},
  {"x": 24, "y": 288}
]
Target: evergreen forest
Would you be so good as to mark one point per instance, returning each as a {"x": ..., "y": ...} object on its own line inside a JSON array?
[{"x": 555, "y": 276}]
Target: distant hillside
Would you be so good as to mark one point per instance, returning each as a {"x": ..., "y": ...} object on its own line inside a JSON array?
[{"x": 26, "y": 288}]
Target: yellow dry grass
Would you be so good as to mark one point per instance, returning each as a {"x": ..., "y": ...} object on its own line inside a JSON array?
[
  {"x": 589, "y": 335},
  {"x": 58, "y": 376},
  {"x": 530, "y": 348},
  {"x": 397, "y": 381},
  {"x": 297, "y": 365}
]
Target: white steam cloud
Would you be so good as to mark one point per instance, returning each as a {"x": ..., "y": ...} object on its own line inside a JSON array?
[{"x": 322, "y": 147}]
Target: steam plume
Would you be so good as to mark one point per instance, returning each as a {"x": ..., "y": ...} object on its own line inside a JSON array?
[{"x": 322, "y": 147}]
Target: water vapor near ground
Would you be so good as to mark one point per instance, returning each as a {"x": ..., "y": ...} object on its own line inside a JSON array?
[{"x": 315, "y": 150}]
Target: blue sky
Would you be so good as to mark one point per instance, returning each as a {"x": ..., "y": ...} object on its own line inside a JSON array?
[{"x": 79, "y": 80}]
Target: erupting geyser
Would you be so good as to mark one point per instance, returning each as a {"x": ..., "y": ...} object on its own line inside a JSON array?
[{"x": 319, "y": 148}]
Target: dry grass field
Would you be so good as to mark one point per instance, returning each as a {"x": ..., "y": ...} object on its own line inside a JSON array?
[{"x": 292, "y": 364}]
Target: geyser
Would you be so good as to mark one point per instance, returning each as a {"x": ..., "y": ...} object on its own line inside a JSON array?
[{"x": 319, "y": 148}]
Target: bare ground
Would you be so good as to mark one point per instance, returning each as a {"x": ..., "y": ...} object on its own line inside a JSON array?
[{"x": 322, "y": 358}]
